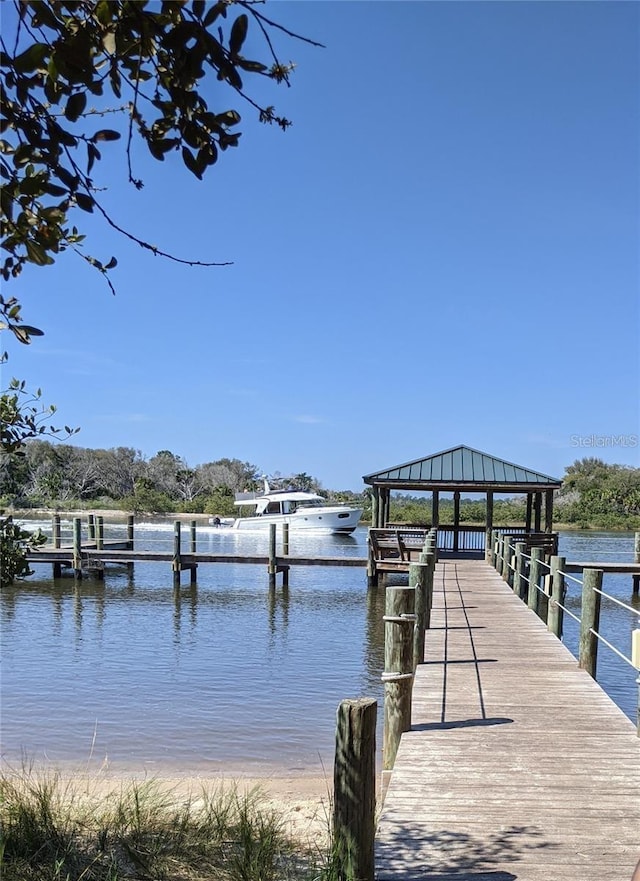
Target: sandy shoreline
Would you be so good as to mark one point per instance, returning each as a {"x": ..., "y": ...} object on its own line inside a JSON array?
[{"x": 302, "y": 801}]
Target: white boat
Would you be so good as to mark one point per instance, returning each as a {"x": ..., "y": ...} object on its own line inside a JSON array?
[{"x": 301, "y": 510}]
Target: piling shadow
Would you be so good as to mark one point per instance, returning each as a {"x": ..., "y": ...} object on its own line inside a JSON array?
[
  {"x": 461, "y": 661},
  {"x": 462, "y": 723}
]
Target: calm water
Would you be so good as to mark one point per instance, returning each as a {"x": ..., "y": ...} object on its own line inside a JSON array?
[{"x": 228, "y": 676}]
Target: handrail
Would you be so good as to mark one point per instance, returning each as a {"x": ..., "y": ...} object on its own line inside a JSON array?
[{"x": 503, "y": 549}]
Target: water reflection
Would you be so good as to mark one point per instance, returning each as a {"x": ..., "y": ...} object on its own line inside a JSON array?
[{"x": 207, "y": 674}]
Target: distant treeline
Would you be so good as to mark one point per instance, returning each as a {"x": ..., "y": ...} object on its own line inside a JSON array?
[
  {"x": 53, "y": 475},
  {"x": 58, "y": 475}
]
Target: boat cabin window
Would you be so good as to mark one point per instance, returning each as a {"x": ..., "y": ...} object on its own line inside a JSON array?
[{"x": 273, "y": 508}]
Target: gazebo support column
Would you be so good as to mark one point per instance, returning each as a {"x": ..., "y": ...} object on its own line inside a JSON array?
[
  {"x": 456, "y": 520},
  {"x": 375, "y": 507},
  {"x": 548, "y": 511},
  {"x": 386, "y": 493},
  {"x": 527, "y": 522},
  {"x": 488, "y": 526},
  {"x": 435, "y": 508},
  {"x": 537, "y": 512}
]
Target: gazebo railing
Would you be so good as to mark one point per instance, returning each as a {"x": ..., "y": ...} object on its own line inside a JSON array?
[{"x": 461, "y": 538}]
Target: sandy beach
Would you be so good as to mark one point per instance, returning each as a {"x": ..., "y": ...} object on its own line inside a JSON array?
[{"x": 303, "y": 802}]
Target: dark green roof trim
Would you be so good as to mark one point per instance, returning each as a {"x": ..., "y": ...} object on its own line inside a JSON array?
[{"x": 462, "y": 467}]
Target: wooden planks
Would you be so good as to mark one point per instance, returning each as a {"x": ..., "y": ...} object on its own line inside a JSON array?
[{"x": 518, "y": 765}]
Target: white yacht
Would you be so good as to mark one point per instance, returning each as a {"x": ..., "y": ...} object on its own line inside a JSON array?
[{"x": 301, "y": 510}]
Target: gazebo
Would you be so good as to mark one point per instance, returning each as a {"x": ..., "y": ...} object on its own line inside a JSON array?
[{"x": 465, "y": 470}]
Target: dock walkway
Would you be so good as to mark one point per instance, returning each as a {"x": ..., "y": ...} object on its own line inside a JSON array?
[{"x": 518, "y": 765}]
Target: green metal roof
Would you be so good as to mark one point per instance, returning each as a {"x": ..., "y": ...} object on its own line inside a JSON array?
[{"x": 464, "y": 467}]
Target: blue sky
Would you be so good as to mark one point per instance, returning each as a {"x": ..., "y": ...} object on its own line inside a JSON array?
[{"x": 443, "y": 249}]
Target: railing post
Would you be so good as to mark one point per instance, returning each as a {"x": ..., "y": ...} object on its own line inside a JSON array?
[
  {"x": 176, "y": 564},
  {"x": 635, "y": 660},
  {"x": 272, "y": 565},
  {"x": 500, "y": 554},
  {"x": 519, "y": 578},
  {"x": 91, "y": 527},
  {"x": 354, "y": 789},
  {"x": 636, "y": 559},
  {"x": 430, "y": 561},
  {"x": 534, "y": 577},
  {"x": 590, "y": 620},
  {"x": 77, "y": 547},
  {"x": 193, "y": 537},
  {"x": 99, "y": 533},
  {"x": 398, "y": 670},
  {"x": 418, "y": 575},
  {"x": 507, "y": 571},
  {"x": 556, "y": 615},
  {"x": 494, "y": 542},
  {"x": 285, "y": 539}
]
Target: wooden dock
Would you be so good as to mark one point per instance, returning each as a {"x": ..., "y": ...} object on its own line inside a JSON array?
[{"x": 517, "y": 765}]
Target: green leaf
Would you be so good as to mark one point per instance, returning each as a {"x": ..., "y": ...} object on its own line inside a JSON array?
[
  {"x": 85, "y": 202},
  {"x": 32, "y": 331},
  {"x": 103, "y": 12},
  {"x": 23, "y": 155},
  {"x": 34, "y": 185},
  {"x": 212, "y": 13},
  {"x": 198, "y": 8},
  {"x": 75, "y": 106},
  {"x": 37, "y": 254},
  {"x": 229, "y": 117},
  {"x": 32, "y": 58},
  {"x": 106, "y": 134},
  {"x": 112, "y": 263},
  {"x": 192, "y": 163},
  {"x": 238, "y": 34}
]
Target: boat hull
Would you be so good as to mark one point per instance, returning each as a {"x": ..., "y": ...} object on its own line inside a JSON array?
[{"x": 327, "y": 520}]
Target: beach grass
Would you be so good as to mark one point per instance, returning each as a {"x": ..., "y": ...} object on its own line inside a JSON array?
[{"x": 57, "y": 830}]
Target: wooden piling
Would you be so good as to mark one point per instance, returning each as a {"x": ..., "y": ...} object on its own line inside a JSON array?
[
  {"x": 193, "y": 537},
  {"x": 285, "y": 539},
  {"x": 636, "y": 559},
  {"x": 507, "y": 571},
  {"x": 77, "y": 548},
  {"x": 272, "y": 565},
  {"x": 590, "y": 620},
  {"x": 99, "y": 533},
  {"x": 91, "y": 527},
  {"x": 533, "y": 594},
  {"x": 176, "y": 563},
  {"x": 500, "y": 554},
  {"x": 354, "y": 789},
  {"x": 519, "y": 578},
  {"x": 494, "y": 542},
  {"x": 56, "y": 538},
  {"x": 556, "y": 615},
  {"x": 488, "y": 534},
  {"x": 430, "y": 560},
  {"x": 398, "y": 669},
  {"x": 130, "y": 538},
  {"x": 418, "y": 574},
  {"x": 372, "y": 573}
]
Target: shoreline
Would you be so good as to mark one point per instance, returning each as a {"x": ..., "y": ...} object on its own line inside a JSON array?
[
  {"x": 303, "y": 802},
  {"x": 115, "y": 515}
]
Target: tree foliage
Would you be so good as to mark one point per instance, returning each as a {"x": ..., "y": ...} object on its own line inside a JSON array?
[
  {"x": 600, "y": 494},
  {"x": 23, "y": 417},
  {"x": 155, "y": 68}
]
